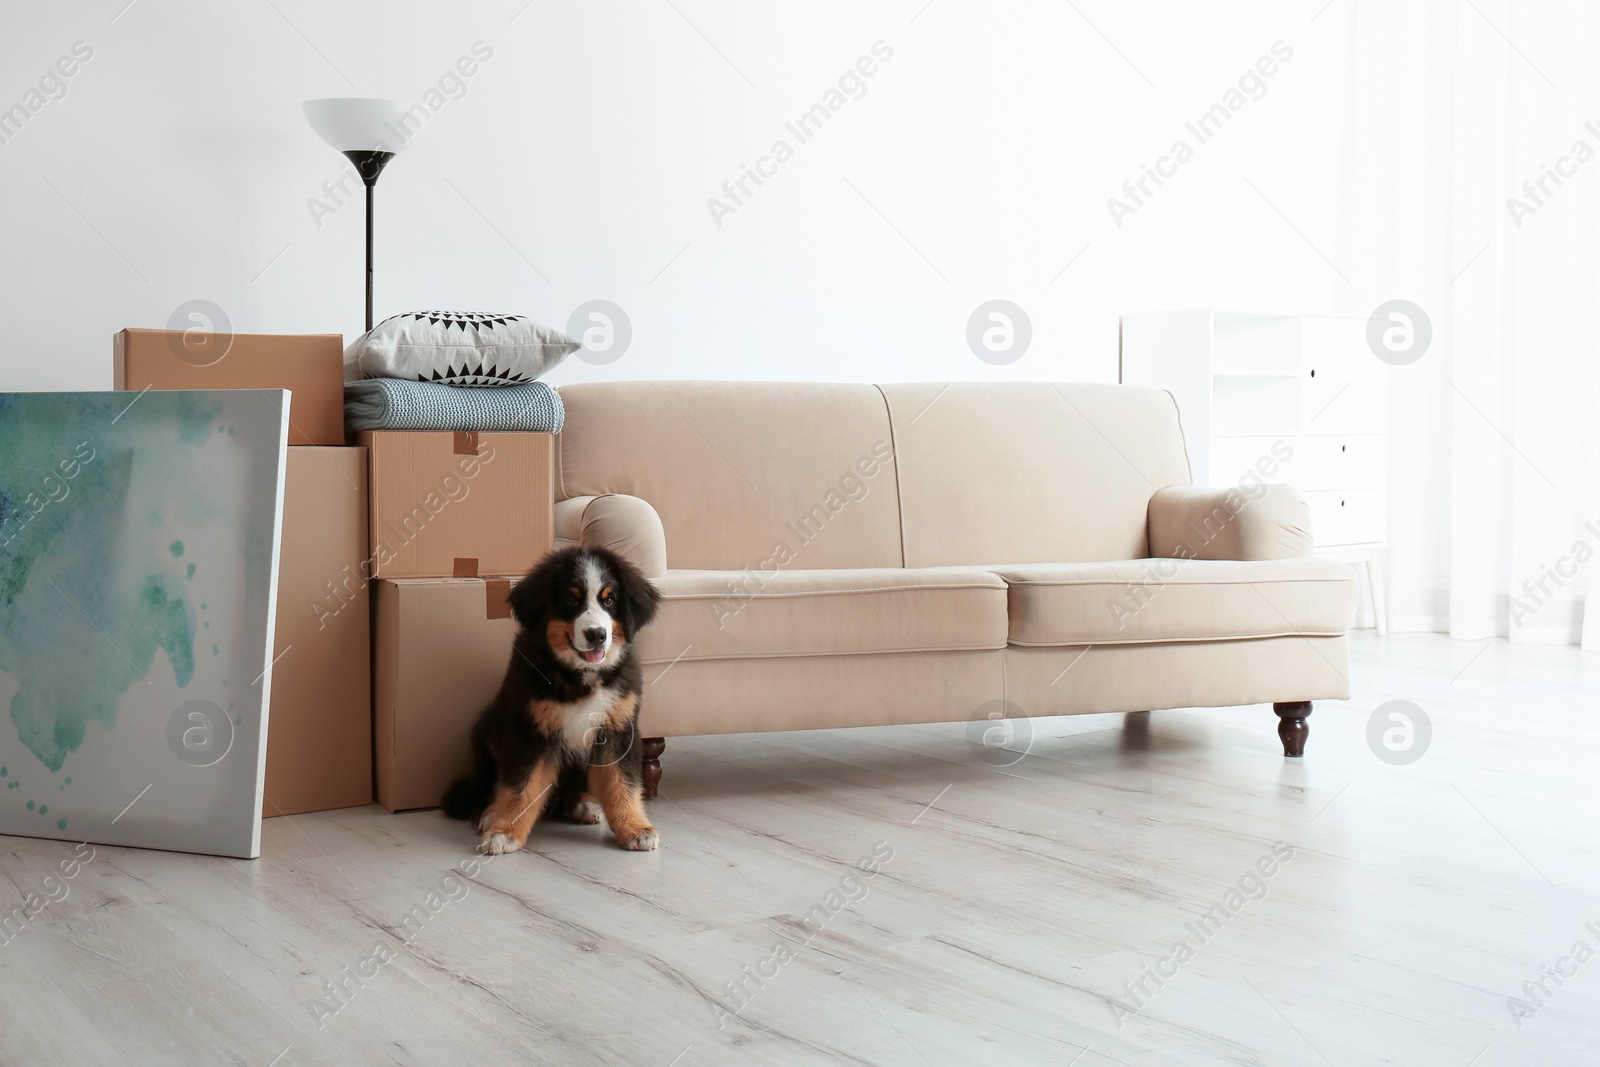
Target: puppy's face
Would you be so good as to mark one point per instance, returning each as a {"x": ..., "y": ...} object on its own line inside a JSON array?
[
  {"x": 588, "y": 603},
  {"x": 584, "y": 632}
]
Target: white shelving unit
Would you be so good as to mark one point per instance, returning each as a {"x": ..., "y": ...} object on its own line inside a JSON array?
[{"x": 1252, "y": 389}]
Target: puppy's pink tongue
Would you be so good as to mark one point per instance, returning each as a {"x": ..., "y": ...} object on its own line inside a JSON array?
[{"x": 594, "y": 655}]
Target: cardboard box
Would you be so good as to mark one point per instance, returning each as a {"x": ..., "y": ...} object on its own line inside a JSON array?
[
  {"x": 319, "y": 728},
  {"x": 451, "y": 504},
  {"x": 442, "y": 646},
  {"x": 310, "y": 366}
]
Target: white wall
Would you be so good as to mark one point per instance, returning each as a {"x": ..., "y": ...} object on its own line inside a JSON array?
[
  {"x": 178, "y": 166},
  {"x": 577, "y": 161}
]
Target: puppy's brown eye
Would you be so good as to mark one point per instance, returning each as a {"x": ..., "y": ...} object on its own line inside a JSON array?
[{"x": 607, "y": 600}]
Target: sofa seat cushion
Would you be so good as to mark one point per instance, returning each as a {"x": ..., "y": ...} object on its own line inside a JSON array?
[
  {"x": 1144, "y": 601},
  {"x": 715, "y": 614}
]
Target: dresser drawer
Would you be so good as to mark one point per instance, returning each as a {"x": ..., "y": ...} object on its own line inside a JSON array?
[
  {"x": 1348, "y": 517},
  {"x": 1343, "y": 400},
  {"x": 1344, "y": 461}
]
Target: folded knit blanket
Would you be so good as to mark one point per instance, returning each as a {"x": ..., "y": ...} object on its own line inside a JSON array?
[{"x": 395, "y": 404}]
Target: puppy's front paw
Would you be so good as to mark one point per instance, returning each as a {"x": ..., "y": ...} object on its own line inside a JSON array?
[
  {"x": 501, "y": 845},
  {"x": 585, "y": 811},
  {"x": 483, "y": 822},
  {"x": 644, "y": 840}
]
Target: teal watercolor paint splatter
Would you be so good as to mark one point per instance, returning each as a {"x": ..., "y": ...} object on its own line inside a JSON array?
[
  {"x": 194, "y": 414},
  {"x": 61, "y": 824},
  {"x": 176, "y": 548},
  {"x": 69, "y": 780},
  {"x": 30, "y": 805},
  {"x": 44, "y": 809},
  {"x": 190, "y": 572},
  {"x": 4, "y": 772},
  {"x": 75, "y": 634}
]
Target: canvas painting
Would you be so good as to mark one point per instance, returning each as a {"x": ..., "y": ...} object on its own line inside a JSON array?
[{"x": 138, "y": 571}]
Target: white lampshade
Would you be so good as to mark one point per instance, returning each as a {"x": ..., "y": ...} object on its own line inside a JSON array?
[{"x": 362, "y": 124}]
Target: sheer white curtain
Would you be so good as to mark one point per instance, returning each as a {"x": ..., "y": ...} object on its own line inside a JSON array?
[{"x": 1453, "y": 109}]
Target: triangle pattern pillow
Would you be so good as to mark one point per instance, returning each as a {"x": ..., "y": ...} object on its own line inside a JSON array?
[{"x": 470, "y": 348}]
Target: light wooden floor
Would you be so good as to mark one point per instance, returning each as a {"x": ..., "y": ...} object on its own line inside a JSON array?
[{"x": 1418, "y": 900}]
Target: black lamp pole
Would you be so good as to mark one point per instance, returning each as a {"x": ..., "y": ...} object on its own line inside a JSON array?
[{"x": 369, "y": 164}]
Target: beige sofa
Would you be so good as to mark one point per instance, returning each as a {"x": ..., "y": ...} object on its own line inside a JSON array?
[{"x": 847, "y": 555}]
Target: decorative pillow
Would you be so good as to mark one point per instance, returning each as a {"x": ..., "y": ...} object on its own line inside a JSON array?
[{"x": 457, "y": 348}]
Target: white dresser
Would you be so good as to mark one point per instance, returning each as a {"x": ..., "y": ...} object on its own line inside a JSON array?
[{"x": 1280, "y": 398}]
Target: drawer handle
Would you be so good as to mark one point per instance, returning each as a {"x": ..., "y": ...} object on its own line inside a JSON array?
[
  {"x": 1313, "y": 372},
  {"x": 1342, "y": 448}
]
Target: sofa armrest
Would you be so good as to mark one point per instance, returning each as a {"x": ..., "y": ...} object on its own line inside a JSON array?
[
  {"x": 1187, "y": 522},
  {"x": 625, "y": 524}
]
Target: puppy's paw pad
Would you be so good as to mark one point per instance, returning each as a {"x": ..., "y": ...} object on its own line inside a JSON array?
[
  {"x": 645, "y": 840},
  {"x": 499, "y": 845},
  {"x": 586, "y": 811}
]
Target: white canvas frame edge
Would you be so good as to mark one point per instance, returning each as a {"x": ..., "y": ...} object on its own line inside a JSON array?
[{"x": 272, "y": 616}]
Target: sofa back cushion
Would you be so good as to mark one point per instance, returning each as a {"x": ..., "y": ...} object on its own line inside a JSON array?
[
  {"x": 1030, "y": 472},
  {"x": 759, "y": 475}
]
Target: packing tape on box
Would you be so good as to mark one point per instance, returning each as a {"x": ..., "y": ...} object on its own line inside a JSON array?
[
  {"x": 466, "y": 443},
  {"x": 465, "y": 567},
  {"x": 497, "y": 598}
]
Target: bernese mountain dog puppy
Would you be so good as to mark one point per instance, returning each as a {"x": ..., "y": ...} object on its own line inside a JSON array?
[{"x": 562, "y": 736}]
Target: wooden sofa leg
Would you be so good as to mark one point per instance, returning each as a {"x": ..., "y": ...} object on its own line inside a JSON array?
[
  {"x": 1292, "y": 728},
  {"x": 653, "y": 747}
]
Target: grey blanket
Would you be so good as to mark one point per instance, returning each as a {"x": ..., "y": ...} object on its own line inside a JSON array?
[{"x": 395, "y": 404}]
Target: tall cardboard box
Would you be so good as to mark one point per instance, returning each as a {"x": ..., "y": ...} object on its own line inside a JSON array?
[
  {"x": 442, "y": 646},
  {"x": 454, "y": 504},
  {"x": 310, "y": 366},
  {"x": 319, "y": 728}
]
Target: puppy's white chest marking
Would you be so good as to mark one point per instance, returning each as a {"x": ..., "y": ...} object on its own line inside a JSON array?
[{"x": 586, "y": 720}]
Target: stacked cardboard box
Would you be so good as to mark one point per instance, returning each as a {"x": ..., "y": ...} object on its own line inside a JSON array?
[
  {"x": 319, "y": 722},
  {"x": 310, "y": 366},
  {"x": 455, "y": 518},
  {"x": 442, "y": 647},
  {"x": 319, "y": 731}
]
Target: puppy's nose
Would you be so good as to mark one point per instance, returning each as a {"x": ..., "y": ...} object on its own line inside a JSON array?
[{"x": 595, "y": 635}]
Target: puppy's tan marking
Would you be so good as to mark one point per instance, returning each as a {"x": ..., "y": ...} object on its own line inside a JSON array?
[
  {"x": 621, "y": 711},
  {"x": 514, "y": 811},
  {"x": 548, "y": 716},
  {"x": 558, "y": 635},
  {"x": 623, "y": 803}
]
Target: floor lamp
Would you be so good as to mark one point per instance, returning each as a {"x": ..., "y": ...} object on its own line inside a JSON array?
[{"x": 369, "y": 132}]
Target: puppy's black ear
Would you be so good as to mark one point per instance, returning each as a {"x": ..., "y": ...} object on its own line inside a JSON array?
[
  {"x": 639, "y": 596},
  {"x": 530, "y": 598}
]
